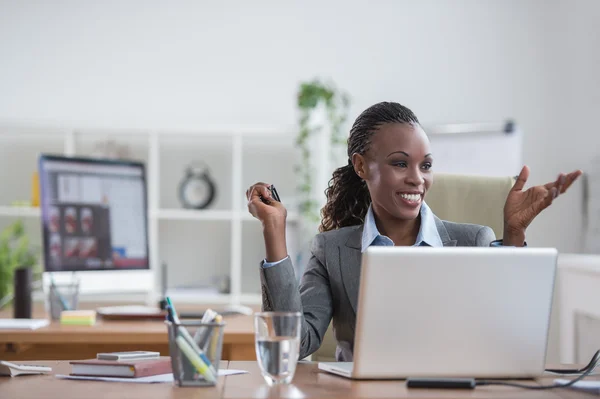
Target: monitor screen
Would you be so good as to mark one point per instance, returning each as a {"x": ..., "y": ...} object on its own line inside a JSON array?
[{"x": 94, "y": 214}]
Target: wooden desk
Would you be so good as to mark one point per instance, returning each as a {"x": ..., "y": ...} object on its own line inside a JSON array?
[
  {"x": 308, "y": 382},
  {"x": 58, "y": 342}
]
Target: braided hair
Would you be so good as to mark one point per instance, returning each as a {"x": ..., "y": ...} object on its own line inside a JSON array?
[{"x": 348, "y": 197}]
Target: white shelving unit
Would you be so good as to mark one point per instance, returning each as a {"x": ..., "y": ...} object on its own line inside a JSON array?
[{"x": 198, "y": 246}]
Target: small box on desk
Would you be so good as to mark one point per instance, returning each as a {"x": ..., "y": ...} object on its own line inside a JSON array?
[{"x": 78, "y": 317}]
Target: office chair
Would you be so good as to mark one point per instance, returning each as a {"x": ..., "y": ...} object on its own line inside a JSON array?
[{"x": 456, "y": 198}]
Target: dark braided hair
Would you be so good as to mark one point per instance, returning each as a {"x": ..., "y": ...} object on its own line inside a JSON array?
[{"x": 348, "y": 197}]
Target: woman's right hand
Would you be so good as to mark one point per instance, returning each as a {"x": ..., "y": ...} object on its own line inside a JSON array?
[{"x": 273, "y": 213}]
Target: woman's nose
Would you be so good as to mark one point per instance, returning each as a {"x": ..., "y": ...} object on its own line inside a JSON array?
[{"x": 415, "y": 177}]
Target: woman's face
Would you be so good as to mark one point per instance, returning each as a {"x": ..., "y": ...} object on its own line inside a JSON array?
[{"x": 397, "y": 169}]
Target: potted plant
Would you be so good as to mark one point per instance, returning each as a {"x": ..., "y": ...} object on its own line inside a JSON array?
[
  {"x": 314, "y": 98},
  {"x": 323, "y": 110},
  {"x": 15, "y": 252}
]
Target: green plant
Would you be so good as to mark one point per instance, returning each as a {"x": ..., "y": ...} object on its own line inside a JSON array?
[
  {"x": 15, "y": 252},
  {"x": 311, "y": 96}
]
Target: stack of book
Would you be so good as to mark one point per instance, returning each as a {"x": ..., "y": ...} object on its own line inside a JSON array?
[{"x": 121, "y": 368}]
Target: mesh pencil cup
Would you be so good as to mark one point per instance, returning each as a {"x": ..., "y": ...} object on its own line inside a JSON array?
[
  {"x": 61, "y": 297},
  {"x": 195, "y": 349}
]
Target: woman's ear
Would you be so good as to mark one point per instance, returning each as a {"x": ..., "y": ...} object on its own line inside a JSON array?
[{"x": 360, "y": 165}]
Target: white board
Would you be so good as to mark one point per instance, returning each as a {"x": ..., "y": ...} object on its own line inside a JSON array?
[{"x": 477, "y": 149}]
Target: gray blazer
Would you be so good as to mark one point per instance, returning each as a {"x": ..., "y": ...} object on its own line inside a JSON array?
[{"x": 329, "y": 286}]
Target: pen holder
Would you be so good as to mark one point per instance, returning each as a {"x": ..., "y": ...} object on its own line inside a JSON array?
[
  {"x": 62, "y": 297},
  {"x": 195, "y": 349}
]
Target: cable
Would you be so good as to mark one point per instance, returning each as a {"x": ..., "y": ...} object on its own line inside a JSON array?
[{"x": 586, "y": 371}]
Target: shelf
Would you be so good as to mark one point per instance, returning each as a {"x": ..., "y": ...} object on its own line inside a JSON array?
[
  {"x": 222, "y": 240},
  {"x": 191, "y": 214},
  {"x": 292, "y": 217},
  {"x": 209, "y": 215},
  {"x": 164, "y": 214},
  {"x": 20, "y": 211}
]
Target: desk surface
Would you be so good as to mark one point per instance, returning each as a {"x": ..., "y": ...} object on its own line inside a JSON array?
[
  {"x": 238, "y": 328},
  {"x": 60, "y": 342},
  {"x": 309, "y": 382}
]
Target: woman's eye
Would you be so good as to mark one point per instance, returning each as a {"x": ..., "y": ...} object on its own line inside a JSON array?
[
  {"x": 401, "y": 164},
  {"x": 426, "y": 166}
]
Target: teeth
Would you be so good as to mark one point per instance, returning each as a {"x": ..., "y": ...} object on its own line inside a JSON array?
[{"x": 411, "y": 197}]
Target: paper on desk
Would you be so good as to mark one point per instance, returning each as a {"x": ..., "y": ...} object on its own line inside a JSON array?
[
  {"x": 142, "y": 380},
  {"x": 590, "y": 386},
  {"x": 23, "y": 324}
]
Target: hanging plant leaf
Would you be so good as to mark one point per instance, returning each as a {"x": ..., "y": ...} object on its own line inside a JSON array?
[{"x": 336, "y": 102}]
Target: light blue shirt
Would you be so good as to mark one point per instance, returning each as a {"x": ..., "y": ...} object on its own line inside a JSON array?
[{"x": 428, "y": 235}]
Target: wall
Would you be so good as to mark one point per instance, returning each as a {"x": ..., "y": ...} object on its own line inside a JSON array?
[{"x": 152, "y": 64}]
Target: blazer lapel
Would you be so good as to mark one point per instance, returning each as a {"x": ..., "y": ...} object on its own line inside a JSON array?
[
  {"x": 350, "y": 265},
  {"x": 446, "y": 241}
]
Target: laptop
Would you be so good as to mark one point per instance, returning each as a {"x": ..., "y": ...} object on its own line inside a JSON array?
[{"x": 452, "y": 312}]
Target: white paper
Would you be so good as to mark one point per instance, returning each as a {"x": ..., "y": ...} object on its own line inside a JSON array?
[
  {"x": 143, "y": 380},
  {"x": 231, "y": 372},
  {"x": 592, "y": 386},
  {"x": 23, "y": 324}
]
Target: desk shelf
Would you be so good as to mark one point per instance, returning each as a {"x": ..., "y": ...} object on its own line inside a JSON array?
[{"x": 236, "y": 157}]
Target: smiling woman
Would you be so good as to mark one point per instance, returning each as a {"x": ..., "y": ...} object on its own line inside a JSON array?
[{"x": 378, "y": 198}]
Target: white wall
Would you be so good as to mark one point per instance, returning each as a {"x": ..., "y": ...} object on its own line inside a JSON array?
[{"x": 192, "y": 64}]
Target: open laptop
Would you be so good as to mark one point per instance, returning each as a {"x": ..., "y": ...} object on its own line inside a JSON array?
[{"x": 452, "y": 312}]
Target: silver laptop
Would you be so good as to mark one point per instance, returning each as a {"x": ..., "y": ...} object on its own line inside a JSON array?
[{"x": 452, "y": 312}]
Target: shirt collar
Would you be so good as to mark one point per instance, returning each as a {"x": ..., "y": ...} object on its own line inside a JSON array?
[{"x": 428, "y": 234}]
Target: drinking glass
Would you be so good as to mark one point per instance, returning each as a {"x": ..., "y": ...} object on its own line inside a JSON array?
[{"x": 277, "y": 342}]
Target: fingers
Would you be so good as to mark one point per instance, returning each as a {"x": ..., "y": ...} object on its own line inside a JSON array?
[
  {"x": 569, "y": 179},
  {"x": 564, "y": 181},
  {"x": 555, "y": 183},
  {"x": 521, "y": 179},
  {"x": 545, "y": 202},
  {"x": 257, "y": 190}
]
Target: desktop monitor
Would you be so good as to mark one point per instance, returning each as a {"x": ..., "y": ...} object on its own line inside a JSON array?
[{"x": 94, "y": 214}]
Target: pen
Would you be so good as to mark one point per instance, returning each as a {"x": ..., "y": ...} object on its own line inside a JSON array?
[
  {"x": 215, "y": 338},
  {"x": 60, "y": 297},
  {"x": 195, "y": 359},
  {"x": 186, "y": 335}
]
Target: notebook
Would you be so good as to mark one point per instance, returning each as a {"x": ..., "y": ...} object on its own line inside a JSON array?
[
  {"x": 13, "y": 369},
  {"x": 23, "y": 324},
  {"x": 112, "y": 368}
]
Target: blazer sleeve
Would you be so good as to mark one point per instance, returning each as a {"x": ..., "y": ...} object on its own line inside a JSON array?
[
  {"x": 312, "y": 298},
  {"x": 485, "y": 236}
]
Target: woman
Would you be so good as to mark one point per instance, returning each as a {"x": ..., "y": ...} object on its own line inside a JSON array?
[{"x": 376, "y": 199}]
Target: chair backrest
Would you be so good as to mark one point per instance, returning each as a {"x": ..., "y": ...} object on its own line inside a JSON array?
[
  {"x": 456, "y": 198},
  {"x": 470, "y": 199}
]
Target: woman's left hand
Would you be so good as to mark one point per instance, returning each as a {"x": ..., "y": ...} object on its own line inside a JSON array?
[{"x": 522, "y": 207}]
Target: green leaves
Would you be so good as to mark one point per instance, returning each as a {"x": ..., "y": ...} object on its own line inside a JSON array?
[
  {"x": 15, "y": 252},
  {"x": 310, "y": 95}
]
